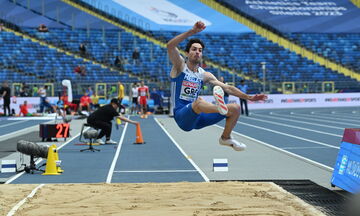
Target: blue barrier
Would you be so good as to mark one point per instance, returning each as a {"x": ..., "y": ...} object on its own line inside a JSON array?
[{"x": 346, "y": 173}]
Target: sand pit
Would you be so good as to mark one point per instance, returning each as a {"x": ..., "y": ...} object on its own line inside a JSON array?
[{"x": 155, "y": 199}]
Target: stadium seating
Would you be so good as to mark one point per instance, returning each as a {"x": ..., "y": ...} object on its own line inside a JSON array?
[
  {"x": 341, "y": 48},
  {"x": 242, "y": 53},
  {"x": 103, "y": 47},
  {"x": 245, "y": 52},
  {"x": 47, "y": 64}
]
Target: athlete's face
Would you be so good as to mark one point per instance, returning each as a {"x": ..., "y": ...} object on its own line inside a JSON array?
[{"x": 195, "y": 53}]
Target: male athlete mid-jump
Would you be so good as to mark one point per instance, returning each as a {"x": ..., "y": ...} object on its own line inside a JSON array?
[{"x": 191, "y": 111}]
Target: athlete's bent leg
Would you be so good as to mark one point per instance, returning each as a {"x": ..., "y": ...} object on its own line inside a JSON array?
[
  {"x": 232, "y": 117},
  {"x": 202, "y": 106}
]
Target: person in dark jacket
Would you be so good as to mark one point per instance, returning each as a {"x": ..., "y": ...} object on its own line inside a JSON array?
[
  {"x": 101, "y": 119},
  {"x": 5, "y": 93}
]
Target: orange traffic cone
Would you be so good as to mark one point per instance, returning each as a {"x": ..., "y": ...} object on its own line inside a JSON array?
[{"x": 139, "y": 138}]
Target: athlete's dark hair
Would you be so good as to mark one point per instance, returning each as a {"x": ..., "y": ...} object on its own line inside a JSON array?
[{"x": 194, "y": 40}]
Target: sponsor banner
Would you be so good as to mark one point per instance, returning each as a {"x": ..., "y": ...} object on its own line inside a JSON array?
[
  {"x": 168, "y": 15},
  {"x": 346, "y": 174},
  {"x": 283, "y": 101},
  {"x": 322, "y": 16},
  {"x": 162, "y": 12},
  {"x": 33, "y": 103},
  {"x": 276, "y": 101}
]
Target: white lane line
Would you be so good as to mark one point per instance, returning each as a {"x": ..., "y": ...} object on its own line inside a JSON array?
[
  {"x": 289, "y": 135},
  {"x": 284, "y": 151},
  {"x": 32, "y": 118},
  {"x": 300, "y": 128},
  {"x": 27, "y": 129},
  {"x": 155, "y": 171},
  {"x": 13, "y": 123},
  {"x": 183, "y": 152},
  {"x": 324, "y": 119},
  {"x": 40, "y": 160},
  {"x": 19, "y": 204},
  {"x": 297, "y": 121},
  {"x": 116, "y": 156},
  {"x": 15, "y": 133},
  {"x": 330, "y": 116},
  {"x": 315, "y": 147},
  {"x": 348, "y": 115},
  {"x": 321, "y": 120}
]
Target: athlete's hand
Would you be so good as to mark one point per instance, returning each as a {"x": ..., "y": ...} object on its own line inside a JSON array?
[
  {"x": 198, "y": 27},
  {"x": 258, "y": 97}
]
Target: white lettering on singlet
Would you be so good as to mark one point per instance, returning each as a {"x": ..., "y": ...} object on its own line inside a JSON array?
[{"x": 190, "y": 87}]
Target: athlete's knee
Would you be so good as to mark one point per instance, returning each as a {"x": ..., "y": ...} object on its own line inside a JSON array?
[
  {"x": 196, "y": 104},
  {"x": 199, "y": 100},
  {"x": 233, "y": 109}
]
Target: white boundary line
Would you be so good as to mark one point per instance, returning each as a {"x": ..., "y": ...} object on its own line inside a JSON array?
[
  {"x": 341, "y": 116},
  {"x": 297, "y": 127},
  {"x": 298, "y": 121},
  {"x": 325, "y": 118},
  {"x": 39, "y": 160},
  {"x": 29, "y": 129},
  {"x": 284, "y": 151},
  {"x": 13, "y": 123},
  {"x": 183, "y": 152},
  {"x": 116, "y": 156},
  {"x": 13, "y": 134},
  {"x": 19, "y": 204},
  {"x": 314, "y": 147},
  {"x": 289, "y": 135},
  {"x": 303, "y": 116},
  {"x": 154, "y": 171}
]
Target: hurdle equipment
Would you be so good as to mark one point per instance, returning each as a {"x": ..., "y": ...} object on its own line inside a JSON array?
[
  {"x": 220, "y": 165},
  {"x": 139, "y": 137},
  {"x": 8, "y": 166},
  {"x": 218, "y": 93},
  {"x": 51, "y": 163}
]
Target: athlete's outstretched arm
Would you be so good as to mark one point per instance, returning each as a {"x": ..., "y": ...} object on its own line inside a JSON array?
[
  {"x": 209, "y": 77},
  {"x": 127, "y": 120},
  {"x": 173, "y": 52}
]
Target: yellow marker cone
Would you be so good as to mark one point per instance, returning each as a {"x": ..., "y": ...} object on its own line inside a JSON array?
[
  {"x": 59, "y": 170},
  {"x": 118, "y": 121},
  {"x": 51, "y": 168}
]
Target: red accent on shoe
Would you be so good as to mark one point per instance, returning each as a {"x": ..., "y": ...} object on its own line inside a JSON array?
[
  {"x": 224, "y": 107},
  {"x": 217, "y": 95},
  {"x": 221, "y": 101}
]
